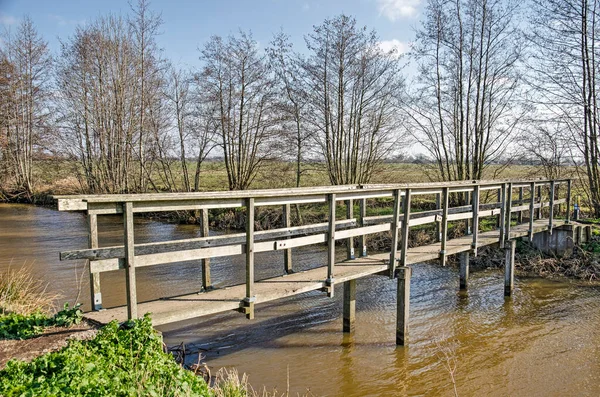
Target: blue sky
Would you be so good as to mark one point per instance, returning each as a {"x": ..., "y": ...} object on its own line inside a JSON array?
[{"x": 188, "y": 24}]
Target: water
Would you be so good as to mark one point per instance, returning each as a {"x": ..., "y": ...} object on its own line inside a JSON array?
[{"x": 541, "y": 342}]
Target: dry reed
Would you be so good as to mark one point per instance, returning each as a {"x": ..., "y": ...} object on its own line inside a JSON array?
[{"x": 22, "y": 293}]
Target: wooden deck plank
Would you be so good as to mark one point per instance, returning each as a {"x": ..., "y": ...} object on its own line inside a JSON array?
[{"x": 221, "y": 300}]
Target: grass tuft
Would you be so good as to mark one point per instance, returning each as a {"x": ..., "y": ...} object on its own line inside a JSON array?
[{"x": 21, "y": 293}]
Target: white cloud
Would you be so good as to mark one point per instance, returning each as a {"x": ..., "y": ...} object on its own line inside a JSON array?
[
  {"x": 305, "y": 7},
  {"x": 62, "y": 21},
  {"x": 396, "y": 9},
  {"x": 394, "y": 44},
  {"x": 7, "y": 20}
]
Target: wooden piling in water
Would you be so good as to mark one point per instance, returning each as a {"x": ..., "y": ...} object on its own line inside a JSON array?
[
  {"x": 349, "y": 305},
  {"x": 509, "y": 267},
  {"x": 464, "y": 270},
  {"x": 403, "y": 305}
]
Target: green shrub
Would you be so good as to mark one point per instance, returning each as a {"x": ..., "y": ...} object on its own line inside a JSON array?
[
  {"x": 125, "y": 360},
  {"x": 20, "y": 326}
]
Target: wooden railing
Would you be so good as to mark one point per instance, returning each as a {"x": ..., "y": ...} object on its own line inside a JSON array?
[{"x": 508, "y": 198}]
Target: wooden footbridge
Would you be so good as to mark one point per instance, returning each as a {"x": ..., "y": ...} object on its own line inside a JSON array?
[{"x": 511, "y": 209}]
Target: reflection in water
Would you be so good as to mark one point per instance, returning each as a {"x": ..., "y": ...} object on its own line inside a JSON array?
[{"x": 541, "y": 342}]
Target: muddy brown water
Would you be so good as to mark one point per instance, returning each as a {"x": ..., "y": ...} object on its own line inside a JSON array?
[{"x": 544, "y": 341}]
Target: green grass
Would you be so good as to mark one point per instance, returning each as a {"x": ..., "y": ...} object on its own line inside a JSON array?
[{"x": 123, "y": 360}]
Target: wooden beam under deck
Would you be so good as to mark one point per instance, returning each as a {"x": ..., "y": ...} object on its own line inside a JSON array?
[{"x": 189, "y": 306}]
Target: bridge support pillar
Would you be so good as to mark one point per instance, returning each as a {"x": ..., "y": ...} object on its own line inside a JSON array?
[
  {"x": 509, "y": 267},
  {"x": 464, "y": 270},
  {"x": 349, "y": 305},
  {"x": 403, "y": 303}
]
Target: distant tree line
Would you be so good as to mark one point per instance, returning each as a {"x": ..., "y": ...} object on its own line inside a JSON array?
[{"x": 494, "y": 80}]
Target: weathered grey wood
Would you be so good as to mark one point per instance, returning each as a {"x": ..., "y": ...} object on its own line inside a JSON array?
[
  {"x": 568, "y": 200},
  {"x": 130, "y": 284},
  {"x": 500, "y": 202},
  {"x": 95, "y": 290},
  {"x": 521, "y": 208},
  {"x": 363, "y": 215},
  {"x": 464, "y": 270},
  {"x": 206, "y": 282},
  {"x": 403, "y": 305},
  {"x": 475, "y": 221},
  {"x": 531, "y": 210},
  {"x": 438, "y": 226},
  {"x": 250, "y": 298},
  {"x": 405, "y": 227},
  {"x": 208, "y": 242},
  {"x": 287, "y": 254},
  {"x": 539, "y": 200},
  {"x": 331, "y": 247},
  {"x": 350, "y": 240},
  {"x": 509, "y": 267},
  {"x": 395, "y": 237},
  {"x": 507, "y": 223},
  {"x": 551, "y": 215},
  {"x": 349, "y": 305},
  {"x": 502, "y": 229},
  {"x": 444, "y": 241},
  {"x": 468, "y": 219}
]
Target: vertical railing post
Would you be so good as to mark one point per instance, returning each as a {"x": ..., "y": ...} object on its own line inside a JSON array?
[
  {"x": 551, "y": 214},
  {"x": 95, "y": 290},
  {"x": 443, "y": 246},
  {"x": 395, "y": 236},
  {"x": 539, "y": 196},
  {"x": 520, "y": 213},
  {"x": 363, "y": 237},
  {"x": 206, "y": 282},
  {"x": 129, "y": 238},
  {"x": 531, "y": 210},
  {"x": 350, "y": 240},
  {"x": 287, "y": 253},
  {"x": 508, "y": 210},
  {"x": 250, "y": 298},
  {"x": 502, "y": 230},
  {"x": 475, "y": 222},
  {"x": 500, "y": 201},
  {"x": 331, "y": 246},
  {"x": 438, "y": 224},
  {"x": 405, "y": 228},
  {"x": 568, "y": 214}
]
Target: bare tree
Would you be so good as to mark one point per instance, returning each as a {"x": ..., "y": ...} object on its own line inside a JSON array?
[
  {"x": 564, "y": 66},
  {"x": 465, "y": 105},
  {"x": 144, "y": 27},
  {"x": 26, "y": 68},
  {"x": 236, "y": 81},
  {"x": 547, "y": 145},
  {"x": 351, "y": 87},
  {"x": 292, "y": 97}
]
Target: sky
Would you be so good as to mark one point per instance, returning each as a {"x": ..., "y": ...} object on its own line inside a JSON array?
[{"x": 188, "y": 24}]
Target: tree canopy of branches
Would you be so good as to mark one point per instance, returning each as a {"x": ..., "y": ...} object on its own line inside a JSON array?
[
  {"x": 464, "y": 106},
  {"x": 25, "y": 67},
  {"x": 236, "y": 82},
  {"x": 565, "y": 64},
  {"x": 350, "y": 86},
  {"x": 109, "y": 84}
]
